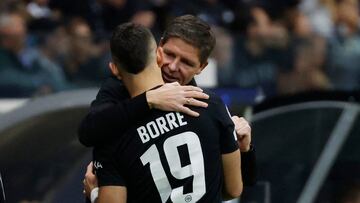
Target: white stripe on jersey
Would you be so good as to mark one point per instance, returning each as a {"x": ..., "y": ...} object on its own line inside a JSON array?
[{"x": 235, "y": 137}]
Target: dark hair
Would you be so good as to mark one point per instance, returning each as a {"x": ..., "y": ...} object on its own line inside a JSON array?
[
  {"x": 130, "y": 47},
  {"x": 193, "y": 31}
]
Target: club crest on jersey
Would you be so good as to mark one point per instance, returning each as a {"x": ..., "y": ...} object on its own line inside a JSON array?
[
  {"x": 188, "y": 198},
  {"x": 97, "y": 165}
]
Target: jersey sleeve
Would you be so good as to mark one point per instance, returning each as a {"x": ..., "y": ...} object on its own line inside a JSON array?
[
  {"x": 111, "y": 111},
  {"x": 106, "y": 168},
  {"x": 228, "y": 140},
  {"x": 229, "y": 144}
]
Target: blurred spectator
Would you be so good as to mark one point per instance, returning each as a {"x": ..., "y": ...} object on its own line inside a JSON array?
[
  {"x": 41, "y": 16},
  {"x": 343, "y": 60},
  {"x": 104, "y": 15},
  {"x": 9, "y": 5},
  {"x": 90, "y": 10},
  {"x": 214, "y": 12},
  {"x": 85, "y": 62},
  {"x": 275, "y": 46},
  {"x": 180, "y": 7},
  {"x": 320, "y": 14},
  {"x": 257, "y": 43},
  {"x": 56, "y": 44},
  {"x": 162, "y": 11},
  {"x": 39, "y": 9},
  {"x": 148, "y": 19},
  {"x": 222, "y": 51},
  {"x": 307, "y": 58},
  {"x": 24, "y": 71},
  {"x": 302, "y": 26},
  {"x": 71, "y": 8},
  {"x": 145, "y": 18},
  {"x": 307, "y": 73},
  {"x": 115, "y": 12}
]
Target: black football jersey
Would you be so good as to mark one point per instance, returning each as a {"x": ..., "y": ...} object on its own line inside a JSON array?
[{"x": 169, "y": 156}]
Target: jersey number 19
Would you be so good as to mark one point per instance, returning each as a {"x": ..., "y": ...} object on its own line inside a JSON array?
[{"x": 195, "y": 168}]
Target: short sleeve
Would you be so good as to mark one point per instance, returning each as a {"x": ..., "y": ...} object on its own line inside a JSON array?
[
  {"x": 228, "y": 139},
  {"x": 106, "y": 168}
]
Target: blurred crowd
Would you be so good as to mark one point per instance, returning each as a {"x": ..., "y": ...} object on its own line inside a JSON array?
[{"x": 278, "y": 46}]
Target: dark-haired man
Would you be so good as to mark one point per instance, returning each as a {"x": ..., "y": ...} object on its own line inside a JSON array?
[{"x": 165, "y": 156}]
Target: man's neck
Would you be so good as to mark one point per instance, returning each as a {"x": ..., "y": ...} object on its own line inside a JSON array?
[{"x": 137, "y": 84}]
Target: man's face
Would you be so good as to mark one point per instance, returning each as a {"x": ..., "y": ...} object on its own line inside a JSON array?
[
  {"x": 14, "y": 34},
  {"x": 180, "y": 61}
]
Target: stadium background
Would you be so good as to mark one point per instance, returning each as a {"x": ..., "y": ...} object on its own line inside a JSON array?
[{"x": 291, "y": 67}]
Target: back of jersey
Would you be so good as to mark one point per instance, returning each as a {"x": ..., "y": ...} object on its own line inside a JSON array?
[{"x": 171, "y": 157}]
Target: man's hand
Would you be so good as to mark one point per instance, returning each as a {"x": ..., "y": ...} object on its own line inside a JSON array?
[
  {"x": 174, "y": 97},
  {"x": 90, "y": 180},
  {"x": 243, "y": 133}
]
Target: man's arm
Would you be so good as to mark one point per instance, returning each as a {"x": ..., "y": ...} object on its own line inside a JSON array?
[
  {"x": 104, "y": 193},
  {"x": 112, "y": 187},
  {"x": 233, "y": 184},
  {"x": 248, "y": 167},
  {"x": 248, "y": 158},
  {"x": 111, "y": 194},
  {"x": 102, "y": 120},
  {"x": 111, "y": 109}
]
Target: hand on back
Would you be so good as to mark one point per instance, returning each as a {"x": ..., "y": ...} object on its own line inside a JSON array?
[{"x": 174, "y": 97}]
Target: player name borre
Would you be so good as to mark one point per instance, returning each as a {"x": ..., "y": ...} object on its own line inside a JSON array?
[{"x": 160, "y": 126}]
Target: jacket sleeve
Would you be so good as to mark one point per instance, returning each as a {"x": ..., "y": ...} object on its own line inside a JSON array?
[
  {"x": 111, "y": 112},
  {"x": 248, "y": 167}
]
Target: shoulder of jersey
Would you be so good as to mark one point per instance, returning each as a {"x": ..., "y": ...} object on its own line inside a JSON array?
[{"x": 213, "y": 98}]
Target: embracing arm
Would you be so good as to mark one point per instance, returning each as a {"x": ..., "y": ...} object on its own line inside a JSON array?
[
  {"x": 105, "y": 194},
  {"x": 248, "y": 167},
  {"x": 112, "y": 111},
  {"x": 248, "y": 158},
  {"x": 106, "y": 165},
  {"x": 112, "y": 97},
  {"x": 98, "y": 125}
]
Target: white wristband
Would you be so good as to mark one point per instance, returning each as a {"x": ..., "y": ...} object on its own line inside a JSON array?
[{"x": 94, "y": 194}]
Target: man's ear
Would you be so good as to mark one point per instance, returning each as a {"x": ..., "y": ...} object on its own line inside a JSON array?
[
  {"x": 114, "y": 70},
  {"x": 202, "y": 66},
  {"x": 159, "y": 56}
]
